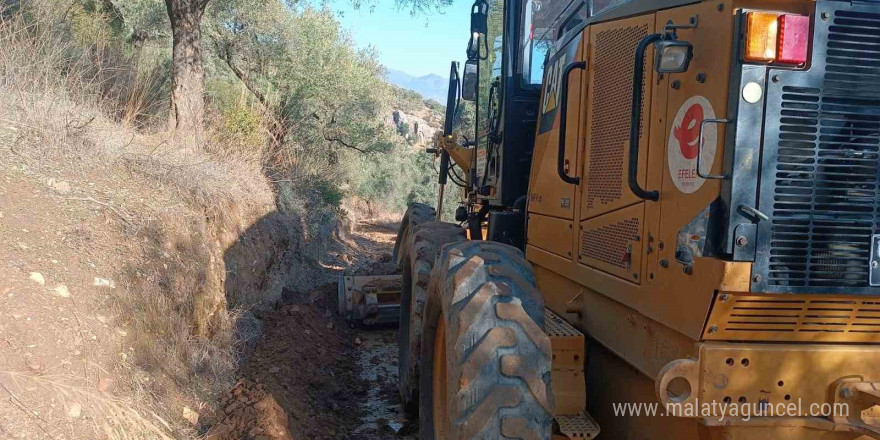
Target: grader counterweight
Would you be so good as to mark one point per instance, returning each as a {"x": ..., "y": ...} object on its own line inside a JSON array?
[{"x": 668, "y": 204}]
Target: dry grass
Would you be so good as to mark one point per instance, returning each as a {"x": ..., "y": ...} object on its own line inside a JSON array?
[
  {"x": 188, "y": 272},
  {"x": 62, "y": 100},
  {"x": 121, "y": 421},
  {"x": 196, "y": 238}
]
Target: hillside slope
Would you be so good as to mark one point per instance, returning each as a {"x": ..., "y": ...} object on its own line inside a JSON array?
[{"x": 127, "y": 274}]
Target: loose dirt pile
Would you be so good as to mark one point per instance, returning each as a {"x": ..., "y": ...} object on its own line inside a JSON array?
[
  {"x": 252, "y": 413},
  {"x": 305, "y": 362}
]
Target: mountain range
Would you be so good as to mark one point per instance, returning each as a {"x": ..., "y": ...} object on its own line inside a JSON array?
[{"x": 430, "y": 86}]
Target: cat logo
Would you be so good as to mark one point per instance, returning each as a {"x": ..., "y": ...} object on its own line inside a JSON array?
[
  {"x": 553, "y": 71},
  {"x": 554, "y": 79}
]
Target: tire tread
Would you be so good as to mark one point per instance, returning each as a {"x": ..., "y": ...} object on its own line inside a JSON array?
[{"x": 500, "y": 367}]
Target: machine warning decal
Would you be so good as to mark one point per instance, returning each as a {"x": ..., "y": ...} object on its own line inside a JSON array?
[
  {"x": 481, "y": 161},
  {"x": 684, "y": 139}
]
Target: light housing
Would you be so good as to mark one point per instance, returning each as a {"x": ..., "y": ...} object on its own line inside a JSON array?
[
  {"x": 672, "y": 56},
  {"x": 773, "y": 37},
  {"x": 794, "y": 39},
  {"x": 761, "y": 35}
]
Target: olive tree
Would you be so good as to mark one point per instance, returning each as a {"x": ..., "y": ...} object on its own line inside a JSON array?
[
  {"x": 187, "y": 101},
  {"x": 187, "y": 70}
]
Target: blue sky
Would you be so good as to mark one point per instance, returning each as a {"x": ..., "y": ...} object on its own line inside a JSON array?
[{"x": 416, "y": 45}]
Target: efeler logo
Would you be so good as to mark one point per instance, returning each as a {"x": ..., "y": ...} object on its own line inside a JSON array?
[
  {"x": 554, "y": 79},
  {"x": 688, "y": 133},
  {"x": 684, "y": 141}
]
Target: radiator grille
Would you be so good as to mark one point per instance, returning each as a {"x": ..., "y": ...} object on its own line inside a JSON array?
[
  {"x": 611, "y": 96},
  {"x": 611, "y": 243},
  {"x": 825, "y": 193},
  {"x": 803, "y": 316},
  {"x": 853, "y": 53}
]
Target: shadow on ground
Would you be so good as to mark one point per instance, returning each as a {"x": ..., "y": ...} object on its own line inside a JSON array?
[{"x": 309, "y": 374}]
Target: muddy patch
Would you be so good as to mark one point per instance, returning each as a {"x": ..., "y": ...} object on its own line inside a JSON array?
[{"x": 381, "y": 411}]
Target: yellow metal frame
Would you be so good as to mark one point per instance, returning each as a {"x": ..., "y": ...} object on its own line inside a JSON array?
[{"x": 676, "y": 321}]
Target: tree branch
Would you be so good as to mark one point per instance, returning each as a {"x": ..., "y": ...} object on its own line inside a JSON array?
[
  {"x": 278, "y": 129},
  {"x": 242, "y": 76},
  {"x": 345, "y": 144}
]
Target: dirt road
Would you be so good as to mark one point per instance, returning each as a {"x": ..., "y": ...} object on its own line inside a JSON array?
[{"x": 312, "y": 375}]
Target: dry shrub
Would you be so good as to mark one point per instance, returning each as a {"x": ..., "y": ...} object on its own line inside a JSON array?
[
  {"x": 174, "y": 306},
  {"x": 201, "y": 243},
  {"x": 62, "y": 99},
  {"x": 54, "y": 84},
  {"x": 200, "y": 217}
]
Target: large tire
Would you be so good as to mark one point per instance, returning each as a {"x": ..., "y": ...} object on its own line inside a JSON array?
[
  {"x": 484, "y": 323},
  {"x": 416, "y": 214},
  {"x": 422, "y": 248}
]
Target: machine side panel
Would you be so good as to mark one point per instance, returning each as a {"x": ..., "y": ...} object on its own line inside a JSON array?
[
  {"x": 551, "y": 234},
  {"x": 549, "y": 194},
  {"x": 606, "y": 130}
]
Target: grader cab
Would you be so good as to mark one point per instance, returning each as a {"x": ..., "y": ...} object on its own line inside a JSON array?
[{"x": 669, "y": 226}]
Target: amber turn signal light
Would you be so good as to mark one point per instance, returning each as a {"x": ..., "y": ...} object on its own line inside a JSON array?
[{"x": 761, "y": 31}]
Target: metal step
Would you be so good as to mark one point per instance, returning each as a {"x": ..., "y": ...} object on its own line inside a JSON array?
[
  {"x": 568, "y": 344},
  {"x": 577, "y": 427}
]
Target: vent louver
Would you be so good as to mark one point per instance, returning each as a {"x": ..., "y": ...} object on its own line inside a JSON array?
[
  {"x": 803, "y": 316},
  {"x": 821, "y": 181}
]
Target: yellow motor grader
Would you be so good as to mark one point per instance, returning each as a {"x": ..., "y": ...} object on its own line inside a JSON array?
[{"x": 670, "y": 226}]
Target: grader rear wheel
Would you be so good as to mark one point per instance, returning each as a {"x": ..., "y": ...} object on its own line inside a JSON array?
[
  {"x": 420, "y": 251},
  {"x": 485, "y": 357}
]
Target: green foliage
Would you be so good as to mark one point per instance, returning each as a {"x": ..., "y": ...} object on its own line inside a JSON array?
[
  {"x": 332, "y": 99},
  {"x": 237, "y": 117},
  {"x": 270, "y": 63},
  {"x": 330, "y": 194},
  {"x": 416, "y": 7},
  {"x": 407, "y": 100},
  {"x": 435, "y": 106},
  {"x": 463, "y": 124},
  {"x": 144, "y": 20},
  {"x": 98, "y": 17},
  {"x": 403, "y": 130},
  {"x": 304, "y": 66}
]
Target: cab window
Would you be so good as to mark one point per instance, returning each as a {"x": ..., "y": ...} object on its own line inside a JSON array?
[{"x": 542, "y": 24}]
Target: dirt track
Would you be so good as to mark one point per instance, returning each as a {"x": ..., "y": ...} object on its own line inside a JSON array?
[{"x": 313, "y": 376}]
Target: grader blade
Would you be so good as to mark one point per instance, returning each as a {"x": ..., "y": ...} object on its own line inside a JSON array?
[{"x": 370, "y": 300}]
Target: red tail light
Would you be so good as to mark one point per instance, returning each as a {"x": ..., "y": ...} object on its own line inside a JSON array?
[{"x": 794, "y": 39}]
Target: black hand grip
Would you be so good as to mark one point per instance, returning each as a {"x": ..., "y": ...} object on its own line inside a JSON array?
[
  {"x": 562, "y": 102},
  {"x": 636, "y": 121}
]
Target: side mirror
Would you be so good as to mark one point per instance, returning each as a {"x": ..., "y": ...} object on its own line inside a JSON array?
[
  {"x": 480, "y": 18},
  {"x": 672, "y": 56},
  {"x": 470, "y": 81}
]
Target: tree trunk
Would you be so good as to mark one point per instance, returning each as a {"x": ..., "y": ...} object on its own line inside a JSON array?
[{"x": 187, "y": 70}]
